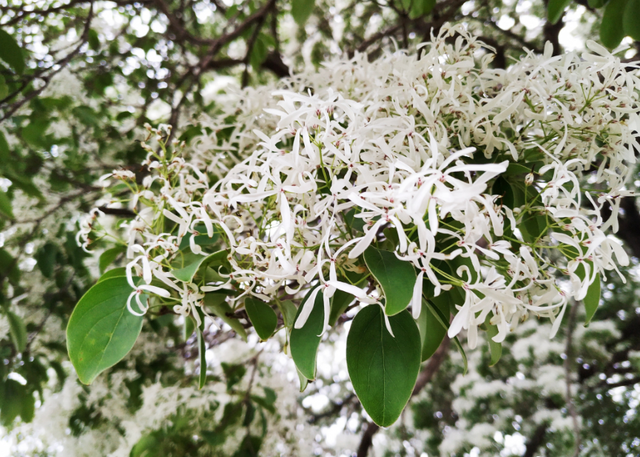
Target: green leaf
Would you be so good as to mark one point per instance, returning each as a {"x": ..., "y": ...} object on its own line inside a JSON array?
[
  {"x": 187, "y": 273},
  {"x": 188, "y": 327},
  {"x": 383, "y": 369},
  {"x": 592, "y": 299},
  {"x": 61, "y": 374},
  {"x": 234, "y": 373},
  {"x": 34, "y": 133},
  {"x": 396, "y": 277},
  {"x": 494, "y": 348},
  {"x": 262, "y": 317},
  {"x": 258, "y": 53},
  {"x": 46, "y": 258},
  {"x": 301, "y": 10},
  {"x": 9, "y": 266},
  {"x": 101, "y": 329},
  {"x": 555, "y": 8},
  {"x": 11, "y": 53},
  {"x": 631, "y": 20},
  {"x": 5, "y": 151},
  {"x": 5, "y": 206},
  {"x": 14, "y": 395},
  {"x": 216, "y": 302},
  {"x": 421, "y": 8},
  {"x": 108, "y": 256},
  {"x": 202, "y": 351},
  {"x": 113, "y": 273},
  {"x": 18, "y": 331},
  {"x": 86, "y": 115},
  {"x": 431, "y": 331},
  {"x": 612, "y": 27},
  {"x": 596, "y": 3},
  {"x": 93, "y": 40},
  {"x": 444, "y": 321},
  {"x": 200, "y": 240},
  {"x": 341, "y": 299},
  {"x": 28, "y": 407},
  {"x": 304, "y": 382},
  {"x": 4, "y": 89},
  {"x": 305, "y": 341},
  {"x": 145, "y": 446},
  {"x": 289, "y": 311}
]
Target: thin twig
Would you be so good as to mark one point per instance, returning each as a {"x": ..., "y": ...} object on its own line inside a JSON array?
[{"x": 567, "y": 372}]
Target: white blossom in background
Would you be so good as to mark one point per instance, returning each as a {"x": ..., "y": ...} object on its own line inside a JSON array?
[{"x": 297, "y": 181}]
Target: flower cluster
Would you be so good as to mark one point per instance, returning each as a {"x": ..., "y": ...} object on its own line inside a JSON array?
[{"x": 490, "y": 182}]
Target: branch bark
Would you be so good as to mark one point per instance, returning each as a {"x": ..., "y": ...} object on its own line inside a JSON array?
[{"x": 567, "y": 370}]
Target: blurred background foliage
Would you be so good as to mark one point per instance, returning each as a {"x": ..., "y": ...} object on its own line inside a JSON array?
[{"x": 80, "y": 78}]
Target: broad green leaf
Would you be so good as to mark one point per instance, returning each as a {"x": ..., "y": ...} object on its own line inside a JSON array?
[
  {"x": 188, "y": 327},
  {"x": 46, "y": 258},
  {"x": 18, "y": 331},
  {"x": 396, "y": 277},
  {"x": 517, "y": 169},
  {"x": 596, "y": 3},
  {"x": 5, "y": 206},
  {"x": 592, "y": 299},
  {"x": 202, "y": 352},
  {"x": 431, "y": 331},
  {"x": 216, "y": 302},
  {"x": 101, "y": 329},
  {"x": 383, "y": 368},
  {"x": 353, "y": 222},
  {"x": 494, "y": 348},
  {"x": 14, "y": 396},
  {"x": 233, "y": 372},
  {"x": 421, "y": 8},
  {"x": 270, "y": 395},
  {"x": 61, "y": 374},
  {"x": 187, "y": 273},
  {"x": 444, "y": 321},
  {"x": 304, "y": 341},
  {"x": 341, "y": 299},
  {"x": 113, "y": 273},
  {"x": 304, "y": 382},
  {"x": 93, "y": 39},
  {"x": 301, "y": 10},
  {"x": 200, "y": 240},
  {"x": 4, "y": 89},
  {"x": 289, "y": 311},
  {"x": 262, "y": 317},
  {"x": 339, "y": 303},
  {"x": 4, "y": 149},
  {"x": 10, "y": 52},
  {"x": 612, "y": 27},
  {"x": 555, "y": 8},
  {"x": 35, "y": 133},
  {"x": 258, "y": 53},
  {"x": 631, "y": 20},
  {"x": 108, "y": 256},
  {"x": 9, "y": 266},
  {"x": 28, "y": 407}
]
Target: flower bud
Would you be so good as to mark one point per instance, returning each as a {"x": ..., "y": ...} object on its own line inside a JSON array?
[{"x": 528, "y": 180}]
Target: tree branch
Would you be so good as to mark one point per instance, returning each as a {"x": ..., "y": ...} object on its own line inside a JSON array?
[{"x": 567, "y": 370}]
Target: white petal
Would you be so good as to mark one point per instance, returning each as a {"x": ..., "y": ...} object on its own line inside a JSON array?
[
  {"x": 155, "y": 290},
  {"x": 416, "y": 301},
  {"x": 307, "y": 307}
]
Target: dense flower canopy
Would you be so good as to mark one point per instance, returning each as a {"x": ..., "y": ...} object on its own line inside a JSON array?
[
  {"x": 324, "y": 200},
  {"x": 437, "y": 155}
]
